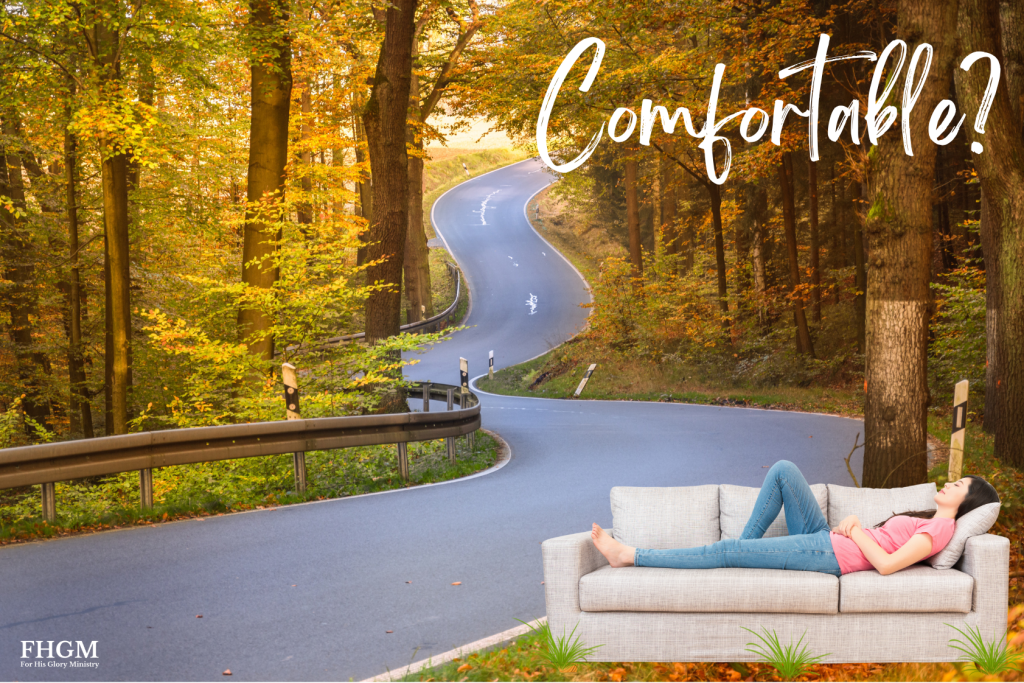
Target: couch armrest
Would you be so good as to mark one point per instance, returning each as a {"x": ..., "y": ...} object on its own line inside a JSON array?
[
  {"x": 566, "y": 560},
  {"x": 987, "y": 559}
]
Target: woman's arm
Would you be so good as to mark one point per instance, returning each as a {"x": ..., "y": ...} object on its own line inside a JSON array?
[{"x": 916, "y": 549}]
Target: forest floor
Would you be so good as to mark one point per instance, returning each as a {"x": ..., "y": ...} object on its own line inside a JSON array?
[{"x": 523, "y": 659}]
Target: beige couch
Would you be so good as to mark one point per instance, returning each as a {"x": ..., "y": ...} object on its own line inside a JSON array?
[{"x": 689, "y": 615}]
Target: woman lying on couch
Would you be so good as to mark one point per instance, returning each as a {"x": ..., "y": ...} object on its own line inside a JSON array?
[{"x": 898, "y": 542}]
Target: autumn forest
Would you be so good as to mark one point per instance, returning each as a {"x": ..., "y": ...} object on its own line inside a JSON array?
[{"x": 192, "y": 189}]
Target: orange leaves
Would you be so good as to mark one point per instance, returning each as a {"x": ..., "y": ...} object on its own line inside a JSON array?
[
  {"x": 617, "y": 675},
  {"x": 465, "y": 667}
]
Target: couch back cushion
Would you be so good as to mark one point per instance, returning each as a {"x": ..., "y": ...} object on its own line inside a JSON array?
[
  {"x": 660, "y": 518},
  {"x": 877, "y": 505},
  {"x": 737, "y": 503}
]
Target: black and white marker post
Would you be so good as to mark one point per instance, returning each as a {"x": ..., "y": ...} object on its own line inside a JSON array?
[
  {"x": 583, "y": 382},
  {"x": 464, "y": 392},
  {"x": 291, "y": 402},
  {"x": 490, "y": 365},
  {"x": 956, "y": 438}
]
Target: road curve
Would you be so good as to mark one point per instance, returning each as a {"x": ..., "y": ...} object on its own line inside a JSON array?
[{"x": 310, "y": 592}]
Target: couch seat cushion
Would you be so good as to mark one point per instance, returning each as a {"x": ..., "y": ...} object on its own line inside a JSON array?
[
  {"x": 918, "y": 588},
  {"x": 661, "y": 518},
  {"x": 737, "y": 504},
  {"x": 657, "y": 589},
  {"x": 877, "y": 505}
]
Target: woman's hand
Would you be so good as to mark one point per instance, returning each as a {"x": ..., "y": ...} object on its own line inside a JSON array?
[{"x": 846, "y": 526}]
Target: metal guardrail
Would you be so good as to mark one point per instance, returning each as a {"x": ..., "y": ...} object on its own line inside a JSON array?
[
  {"x": 433, "y": 324},
  {"x": 48, "y": 463}
]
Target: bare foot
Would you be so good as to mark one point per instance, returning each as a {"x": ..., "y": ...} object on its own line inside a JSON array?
[{"x": 617, "y": 554}]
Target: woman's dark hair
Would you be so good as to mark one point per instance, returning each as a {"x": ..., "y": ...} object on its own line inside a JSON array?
[{"x": 979, "y": 492}]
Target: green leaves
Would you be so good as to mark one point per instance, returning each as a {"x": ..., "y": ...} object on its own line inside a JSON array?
[
  {"x": 985, "y": 658},
  {"x": 561, "y": 652},
  {"x": 787, "y": 660}
]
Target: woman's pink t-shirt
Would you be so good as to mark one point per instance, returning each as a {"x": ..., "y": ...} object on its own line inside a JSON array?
[{"x": 891, "y": 536}]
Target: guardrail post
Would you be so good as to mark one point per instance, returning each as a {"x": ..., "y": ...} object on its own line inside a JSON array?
[
  {"x": 426, "y": 397},
  {"x": 403, "y": 460},
  {"x": 49, "y": 503},
  {"x": 291, "y": 401},
  {"x": 146, "y": 489},
  {"x": 450, "y": 441}
]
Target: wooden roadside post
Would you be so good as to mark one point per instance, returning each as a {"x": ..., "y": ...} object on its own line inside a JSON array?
[
  {"x": 956, "y": 438},
  {"x": 292, "y": 412},
  {"x": 586, "y": 378}
]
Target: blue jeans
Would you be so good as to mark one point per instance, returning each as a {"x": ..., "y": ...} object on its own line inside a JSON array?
[{"x": 807, "y": 548}]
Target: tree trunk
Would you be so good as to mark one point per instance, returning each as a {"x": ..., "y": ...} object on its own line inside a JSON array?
[
  {"x": 899, "y": 225},
  {"x": 803, "y": 334},
  {"x": 715, "y": 193},
  {"x": 80, "y": 404},
  {"x": 114, "y": 171},
  {"x": 838, "y": 259},
  {"x": 385, "y": 124},
  {"x": 21, "y": 301},
  {"x": 860, "y": 273},
  {"x": 669, "y": 231},
  {"x": 1000, "y": 166},
  {"x": 268, "y": 155},
  {"x": 812, "y": 195},
  {"x": 416, "y": 265},
  {"x": 364, "y": 188},
  {"x": 304, "y": 209},
  {"x": 417, "y": 254},
  {"x": 992, "y": 306},
  {"x": 757, "y": 206},
  {"x": 633, "y": 219}
]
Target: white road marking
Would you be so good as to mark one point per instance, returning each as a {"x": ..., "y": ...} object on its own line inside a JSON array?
[
  {"x": 532, "y": 303},
  {"x": 483, "y": 207}
]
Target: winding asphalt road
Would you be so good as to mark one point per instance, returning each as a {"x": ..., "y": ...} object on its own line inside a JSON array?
[{"x": 310, "y": 592}]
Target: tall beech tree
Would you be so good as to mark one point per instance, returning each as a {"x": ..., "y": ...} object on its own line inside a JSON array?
[
  {"x": 271, "y": 81},
  {"x": 636, "y": 256},
  {"x": 803, "y": 335},
  {"x": 995, "y": 27},
  {"x": 385, "y": 121},
  {"x": 899, "y": 227},
  {"x": 423, "y": 103},
  {"x": 104, "y": 29}
]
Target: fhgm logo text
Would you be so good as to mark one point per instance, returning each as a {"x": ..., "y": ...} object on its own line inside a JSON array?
[{"x": 41, "y": 654}]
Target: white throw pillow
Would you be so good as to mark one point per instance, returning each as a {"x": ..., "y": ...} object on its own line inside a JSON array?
[
  {"x": 661, "y": 518},
  {"x": 975, "y": 523}
]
